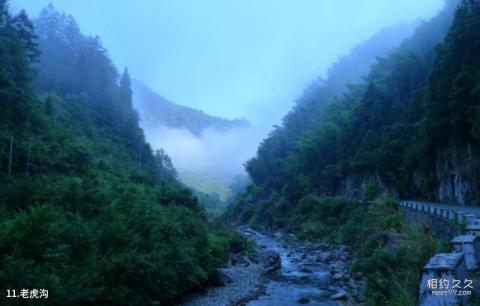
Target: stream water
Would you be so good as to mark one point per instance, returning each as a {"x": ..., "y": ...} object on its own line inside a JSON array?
[
  {"x": 310, "y": 273},
  {"x": 303, "y": 277}
]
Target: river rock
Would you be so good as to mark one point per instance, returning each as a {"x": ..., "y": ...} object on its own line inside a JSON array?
[
  {"x": 321, "y": 247},
  {"x": 323, "y": 257},
  {"x": 303, "y": 300},
  {"x": 269, "y": 259},
  {"x": 220, "y": 279},
  {"x": 291, "y": 236},
  {"x": 304, "y": 269},
  {"x": 332, "y": 256},
  {"x": 319, "y": 277},
  {"x": 337, "y": 266},
  {"x": 340, "y": 295},
  {"x": 338, "y": 275},
  {"x": 239, "y": 260}
]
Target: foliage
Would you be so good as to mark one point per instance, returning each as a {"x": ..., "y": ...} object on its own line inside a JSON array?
[
  {"x": 371, "y": 190},
  {"x": 212, "y": 203},
  {"x": 239, "y": 184},
  {"x": 89, "y": 212},
  {"x": 382, "y": 134},
  {"x": 205, "y": 184},
  {"x": 231, "y": 241},
  {"x": 381, "y": 126},
  {"x": 390, "y": 252}
]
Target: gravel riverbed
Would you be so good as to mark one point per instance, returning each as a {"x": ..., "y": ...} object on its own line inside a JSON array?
[
  {"x": 244, "y": 281},
  {"x": 285, "y": 271}
]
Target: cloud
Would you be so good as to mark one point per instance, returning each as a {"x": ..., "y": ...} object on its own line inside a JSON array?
[{"x": 216, "y": 154}]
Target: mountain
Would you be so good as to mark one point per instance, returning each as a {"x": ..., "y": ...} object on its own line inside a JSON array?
[
  {"x": 392, "y": 131},
  {"x": 332, "y": 145},
  {"x": 349, "y": 69},
  {"x": 88, "y": 210},
  {"x": 157, "y": 111},
  {"x": 409, "y": 128}
]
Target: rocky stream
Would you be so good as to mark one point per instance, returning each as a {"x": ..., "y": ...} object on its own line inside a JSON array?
[{"x": 285, "y": 271}]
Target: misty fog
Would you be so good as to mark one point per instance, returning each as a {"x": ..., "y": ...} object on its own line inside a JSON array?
[
  {"x": 231, "y": 59},
  {"x": 218, "y": 155},
  {"x": 239, "y": 152}
]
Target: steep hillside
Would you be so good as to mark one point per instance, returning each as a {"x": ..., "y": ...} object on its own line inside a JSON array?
[
  {"x": 157, "y": 111},
  {"x": 450, "y": 130},
  {"x": 270, "y": 169},
  {"x": 366, "y": 135},
  {"x": 88, "y": 211},
  {"x": 409, "y": 129}
]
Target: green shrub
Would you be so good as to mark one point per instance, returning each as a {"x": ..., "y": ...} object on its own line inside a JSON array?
[
  {"x": 371, "y": 190},
  {"x": 390, "y": 252}
]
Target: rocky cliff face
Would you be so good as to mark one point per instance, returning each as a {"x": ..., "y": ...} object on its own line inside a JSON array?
[
  {"x": 457, "y": 171},
  {"x": 352, "y": 187}
]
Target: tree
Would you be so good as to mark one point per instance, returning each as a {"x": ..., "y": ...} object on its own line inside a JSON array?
[
  {"x": 165, "y": 171},
  {"x": 129, "y": 115},
  {"x": 371, "y": 190},
  {"x": 26, "y": 33},
  {"x": 17, "y": 51}
]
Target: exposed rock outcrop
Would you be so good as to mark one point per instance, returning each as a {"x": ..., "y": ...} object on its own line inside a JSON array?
[
  {"x": 457, "y": 170},
  {"x": 353, "y": 185},
  {"x": 268, "y": 259}
]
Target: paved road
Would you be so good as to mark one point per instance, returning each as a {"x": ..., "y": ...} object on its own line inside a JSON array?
[{"x": 474, "y": 210}]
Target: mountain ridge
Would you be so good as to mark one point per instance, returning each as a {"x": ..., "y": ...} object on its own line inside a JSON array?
[{"x": 156, "y": 110}]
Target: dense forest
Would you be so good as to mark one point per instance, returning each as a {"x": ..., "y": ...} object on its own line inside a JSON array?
[
  {"x": 368, "y": 130},
  {"x": 371, "y": 133},
  {"x": 408, "y": 129},
  {"x": 89, "y": 210},
  {"x": 92, "y": 212}
]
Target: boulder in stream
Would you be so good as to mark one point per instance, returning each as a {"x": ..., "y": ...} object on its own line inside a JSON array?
[
  {"x": 220, "y": 279},
  {"x": 323, "y": 257},
  {"x": 303, "y": 300},
  {"x": 338, "y": 276},
  {"x": 269, "y": 259},
  {"x": 239, "y": 260},
  {"x": 340, "y": 295}
]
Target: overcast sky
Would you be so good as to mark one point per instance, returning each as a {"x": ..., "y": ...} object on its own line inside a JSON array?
[{"x": 234, "y": 58}]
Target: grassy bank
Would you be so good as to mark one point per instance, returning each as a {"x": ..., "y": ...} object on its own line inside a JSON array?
[{"x": 391, "y": 252}]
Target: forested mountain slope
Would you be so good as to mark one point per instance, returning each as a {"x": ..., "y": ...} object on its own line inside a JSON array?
[
  {"x": 406, "y": 128},
  {"x": 88, "y": 211},
  {"x": 157, "y": 111},
  {"x": 280, "y": 155}
]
